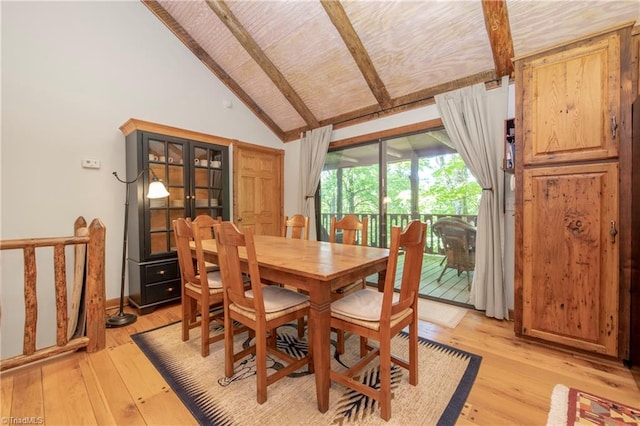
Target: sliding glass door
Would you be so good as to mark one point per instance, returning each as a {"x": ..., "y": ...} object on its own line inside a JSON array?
[{"x": 393, "y": 181}]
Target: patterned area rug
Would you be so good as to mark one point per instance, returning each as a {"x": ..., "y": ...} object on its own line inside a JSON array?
[
  {"x": 446, "y": 376},
  {"x": 571, "y": 406}
]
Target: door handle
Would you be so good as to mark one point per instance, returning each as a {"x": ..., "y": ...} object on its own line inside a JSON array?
[
  {"x": 239, "y": 219},
  {"x": 613, "y": 232}
]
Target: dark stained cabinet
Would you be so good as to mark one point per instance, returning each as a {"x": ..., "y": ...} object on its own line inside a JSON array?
[{"x": 194, "y": 168}]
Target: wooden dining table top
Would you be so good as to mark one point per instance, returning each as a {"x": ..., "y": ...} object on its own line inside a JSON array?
[{"x": 319, "y": 260}]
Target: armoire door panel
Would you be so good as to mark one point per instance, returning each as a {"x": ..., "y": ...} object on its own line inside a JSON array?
[
  {"x": 572, "y": 101},
  {"x": 570, "y": 261}
]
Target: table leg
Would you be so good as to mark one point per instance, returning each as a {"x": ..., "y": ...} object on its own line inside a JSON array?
[
  {"x": 382, "y": 276},
  {"x": 320, "y": 298}
]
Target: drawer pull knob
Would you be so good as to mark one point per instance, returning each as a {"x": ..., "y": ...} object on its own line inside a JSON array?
[{"x": 162, "y": 272}]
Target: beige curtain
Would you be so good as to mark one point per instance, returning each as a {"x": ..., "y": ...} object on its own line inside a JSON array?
[
  {"x": 313, "y": 150},
  {"x": 474, "y": 119}
]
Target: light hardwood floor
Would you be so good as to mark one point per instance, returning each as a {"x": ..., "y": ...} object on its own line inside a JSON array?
[{"x": 120, "y": 386}]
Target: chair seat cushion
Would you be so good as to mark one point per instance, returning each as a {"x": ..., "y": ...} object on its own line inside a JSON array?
[
  {"x": 363, "y": 305},
  {"x": 278, "y": 301},
  {"x": 214, "y": 279},
  {"x": 279, "y": 298}
]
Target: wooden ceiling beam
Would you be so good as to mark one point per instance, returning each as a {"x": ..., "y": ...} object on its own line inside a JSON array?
[
  {"x": 404, "y": 103},
  {"x": 212, "y": 65},
  {"x": 496, "y": 19},
  {"x": 222, "y": 10},
  {"x": 341, "y": 21}
]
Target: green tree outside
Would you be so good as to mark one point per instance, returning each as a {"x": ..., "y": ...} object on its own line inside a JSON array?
[{"x": 445, "y": 187}]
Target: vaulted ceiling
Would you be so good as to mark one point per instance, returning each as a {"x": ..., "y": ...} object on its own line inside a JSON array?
[{"x": 299, "y": 64}]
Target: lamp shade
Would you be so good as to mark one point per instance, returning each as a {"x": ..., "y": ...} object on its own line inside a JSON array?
[{"x": 157, "y": 190}]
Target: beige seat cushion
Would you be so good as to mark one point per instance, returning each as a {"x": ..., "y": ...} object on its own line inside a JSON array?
[
  {"x": 364, "y": 307},
  {"x": 214, "y": 279},
  {"x": 278, "y": 301},
  {"x": 365, "y": 304},
  {"x": 278, "y": 298}
]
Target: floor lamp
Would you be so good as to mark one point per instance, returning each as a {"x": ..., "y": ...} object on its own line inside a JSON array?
[{"x": 156, "y": 190}]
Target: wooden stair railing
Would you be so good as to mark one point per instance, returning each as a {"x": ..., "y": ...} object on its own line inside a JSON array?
[{"x": 92, "y": 239}]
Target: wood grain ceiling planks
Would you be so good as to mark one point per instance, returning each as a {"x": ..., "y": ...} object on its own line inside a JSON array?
[{"x": 299, "y": 65}]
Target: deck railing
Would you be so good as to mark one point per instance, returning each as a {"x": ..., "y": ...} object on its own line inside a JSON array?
[{"x": 433, "y": 245}]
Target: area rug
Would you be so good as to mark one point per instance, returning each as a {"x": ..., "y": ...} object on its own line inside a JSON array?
[
  {"x": 446, "y": 376},
  {"x": 570, "y": 406},
  {"x": 440, "y": 313}
]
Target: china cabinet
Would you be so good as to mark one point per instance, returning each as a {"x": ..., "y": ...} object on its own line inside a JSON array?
[
  {"x": 572, "y": 208},
  {"x": 194, "y": 168}
]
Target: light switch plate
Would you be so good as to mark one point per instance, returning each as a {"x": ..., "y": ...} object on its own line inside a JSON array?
[{"x": 88, "y": 163}]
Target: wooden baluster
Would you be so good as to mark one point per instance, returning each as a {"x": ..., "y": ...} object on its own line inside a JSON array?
[
  {"x": 59, "y": 266},
  {"x": 30, "y": 300}
]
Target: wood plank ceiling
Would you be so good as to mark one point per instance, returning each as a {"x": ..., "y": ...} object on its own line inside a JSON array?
[{"x": 299, "y": 65}]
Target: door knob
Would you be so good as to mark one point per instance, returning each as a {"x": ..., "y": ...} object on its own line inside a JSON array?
[{"x": 239, "y": 219}]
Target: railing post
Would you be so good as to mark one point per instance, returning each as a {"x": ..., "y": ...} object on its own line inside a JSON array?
[{"x": 95, "y": 290}]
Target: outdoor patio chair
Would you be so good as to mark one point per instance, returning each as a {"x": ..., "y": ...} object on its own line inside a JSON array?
[{"x": 459, "y": 241}]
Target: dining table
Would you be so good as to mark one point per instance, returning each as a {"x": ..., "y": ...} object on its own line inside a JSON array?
[{"x": 318, "y": 268}]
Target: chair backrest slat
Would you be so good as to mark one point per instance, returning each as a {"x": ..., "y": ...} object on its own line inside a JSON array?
[
  {"x": 229, "y": 240},
  {"x": 350, "y": 226},
  {"x": 202, "y": 227},
  {"x": 411, "y": 241},
  {"x": 184, "y": 235},
  {"x": 298, "y": 225}
]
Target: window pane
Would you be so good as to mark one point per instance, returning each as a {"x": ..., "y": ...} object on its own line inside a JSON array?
[{"x": 350, "y": 185}]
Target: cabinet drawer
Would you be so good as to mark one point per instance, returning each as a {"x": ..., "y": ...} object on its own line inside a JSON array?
[
  {"x": 163, "y": 291},
  {"x": 161, "y": 272}
]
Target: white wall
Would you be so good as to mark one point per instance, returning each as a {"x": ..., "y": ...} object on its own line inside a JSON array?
[{"x": 72, "y": 73}]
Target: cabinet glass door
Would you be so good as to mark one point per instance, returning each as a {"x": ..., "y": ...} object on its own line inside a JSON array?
[
  {"x": 166, "y": 159},
  {"x": 209, "y": 180}
]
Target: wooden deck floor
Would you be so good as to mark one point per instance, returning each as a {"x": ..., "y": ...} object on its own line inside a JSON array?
[{"x": 451, "y": 288}]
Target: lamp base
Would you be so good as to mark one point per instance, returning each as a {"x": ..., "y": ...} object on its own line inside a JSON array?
[{"x": 120, "y": 320}]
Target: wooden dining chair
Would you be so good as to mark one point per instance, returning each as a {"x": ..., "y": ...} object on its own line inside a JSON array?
[
  {"x": 296, "y": 226},
  {"x": 262, "y": 309},
  {"x": 376, "y": 315},
  {"x": 196, "y": 303},
  {"x": 354, "y": 232}
]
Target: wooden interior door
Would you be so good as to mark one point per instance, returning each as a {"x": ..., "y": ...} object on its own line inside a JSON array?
[
  {"x": 258, "y": 188},
  {"x": 570, "y": 260}
]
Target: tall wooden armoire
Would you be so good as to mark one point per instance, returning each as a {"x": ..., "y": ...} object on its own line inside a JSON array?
[{"x": 573, "y": 197}]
